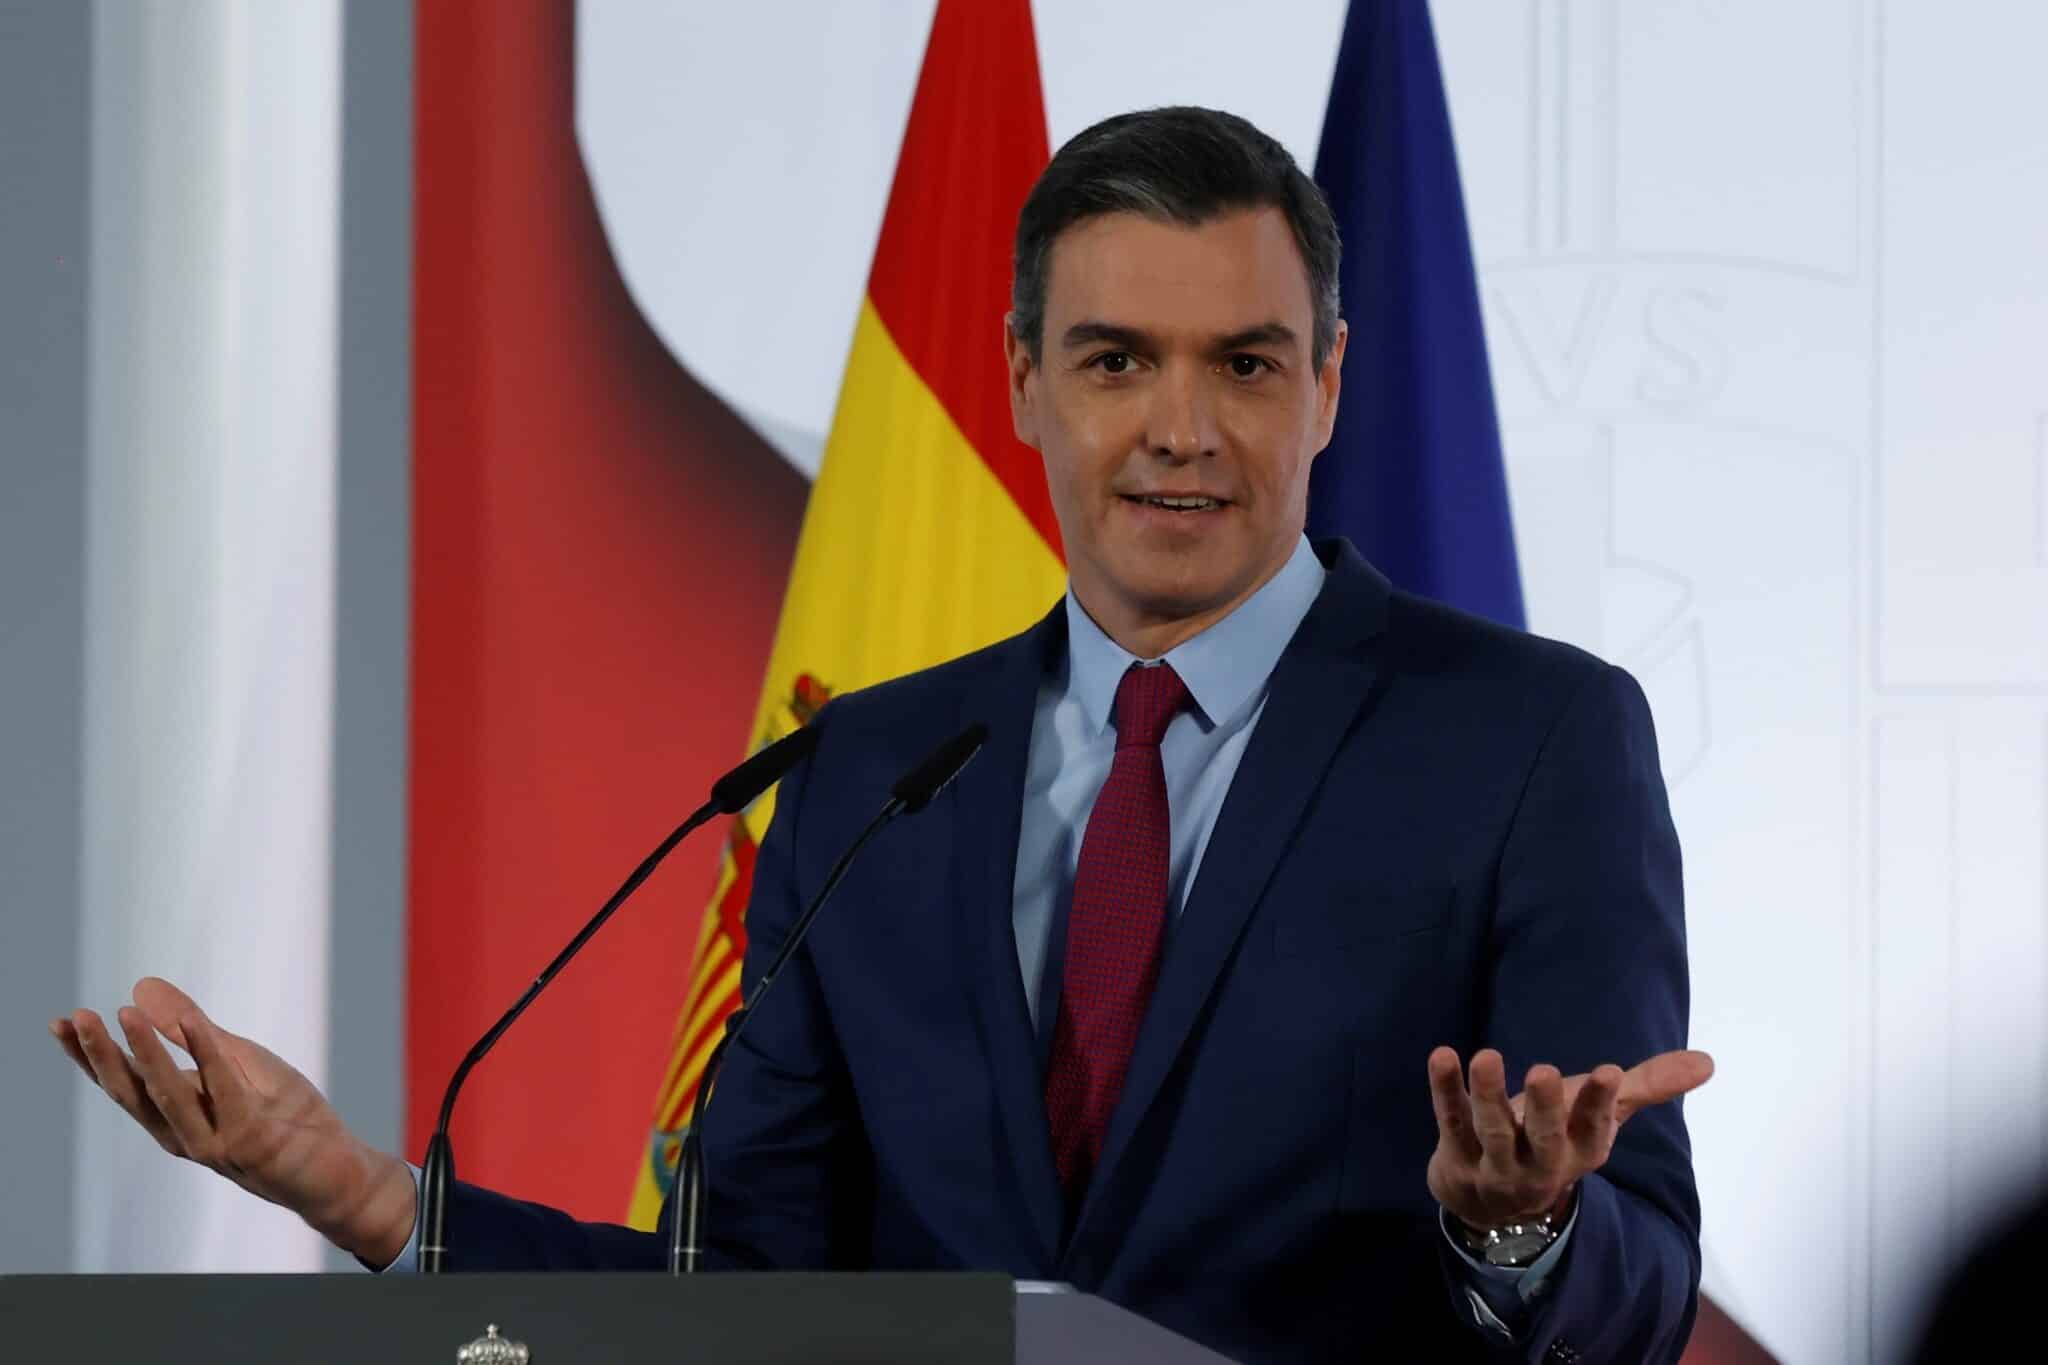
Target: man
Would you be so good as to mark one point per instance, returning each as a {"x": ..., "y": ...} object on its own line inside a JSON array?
[{"x": 1259, "y": 846}]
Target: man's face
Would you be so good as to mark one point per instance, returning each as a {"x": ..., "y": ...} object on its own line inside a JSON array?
[{"x": 1177, "y": 409}]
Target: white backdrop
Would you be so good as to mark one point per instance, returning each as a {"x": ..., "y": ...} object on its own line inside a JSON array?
[
  {"x": 209, "y": 640},
  {"x": 1767, "y": 305}
]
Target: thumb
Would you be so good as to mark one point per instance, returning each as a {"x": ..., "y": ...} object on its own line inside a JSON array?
[{"x": 1663, "y": 1078}]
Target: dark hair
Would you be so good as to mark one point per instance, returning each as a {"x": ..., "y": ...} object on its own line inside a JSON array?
[{"x": 1183, "y": 165}]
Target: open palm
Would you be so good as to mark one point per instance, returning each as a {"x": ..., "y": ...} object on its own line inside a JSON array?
[
  {"x": 1500, "y": 1159},
  {"x": 244, "y": 1112}
]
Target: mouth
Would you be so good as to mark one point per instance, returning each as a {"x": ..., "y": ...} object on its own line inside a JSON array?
[{"x": 1186, "y": 504}]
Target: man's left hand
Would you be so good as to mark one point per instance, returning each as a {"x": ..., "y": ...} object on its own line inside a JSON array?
[{"x": 1500, "y": 1160}]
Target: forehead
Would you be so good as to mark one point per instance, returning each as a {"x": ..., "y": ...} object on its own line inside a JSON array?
[{"x": 1237, "y": 270}]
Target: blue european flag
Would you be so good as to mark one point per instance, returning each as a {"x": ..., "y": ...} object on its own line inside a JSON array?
[{"x": 1413, "y": 474}]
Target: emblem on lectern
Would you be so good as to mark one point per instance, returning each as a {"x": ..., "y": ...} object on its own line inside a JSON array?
[{"x": 492, "y": 1349}]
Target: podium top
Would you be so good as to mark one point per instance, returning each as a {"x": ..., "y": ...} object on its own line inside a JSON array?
[
  {"x": 739, "y": 1319},
  {"x": 1057, "y": 1323}
]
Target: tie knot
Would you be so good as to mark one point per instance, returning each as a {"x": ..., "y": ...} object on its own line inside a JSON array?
[{"x": 1146, "y": 700}]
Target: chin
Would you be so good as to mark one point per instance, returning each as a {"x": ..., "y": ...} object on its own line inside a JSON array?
[{"x": 1177, "y": 597}]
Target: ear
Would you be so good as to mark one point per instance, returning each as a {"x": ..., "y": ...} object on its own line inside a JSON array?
[
  {"x": 1329, "y": 383},
  {"x": 1021, "y": 371}
]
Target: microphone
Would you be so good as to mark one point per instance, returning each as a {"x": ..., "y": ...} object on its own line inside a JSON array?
[
  {"x": 916, "y": 788},
  {"x": 912, "y": 793},
  {"x": 730, "y": 795}
]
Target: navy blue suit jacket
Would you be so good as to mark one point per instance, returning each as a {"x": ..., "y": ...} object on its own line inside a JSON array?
[{"x": 1442, "y": 831}]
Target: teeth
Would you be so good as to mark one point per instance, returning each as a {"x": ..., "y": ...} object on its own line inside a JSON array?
[{"x": 1183, "y": 504}]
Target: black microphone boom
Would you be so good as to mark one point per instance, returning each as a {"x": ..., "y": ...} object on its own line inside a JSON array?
[
  {"x": 911, "y": 794},
  {"x": 730, "y": 795}
]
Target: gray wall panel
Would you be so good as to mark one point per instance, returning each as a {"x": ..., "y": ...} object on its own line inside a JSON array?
[
  {"x": 373, "y": 548},
  {"x": 45, "y": 73}
]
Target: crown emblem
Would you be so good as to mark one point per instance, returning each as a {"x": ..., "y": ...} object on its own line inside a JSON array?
[
  {"x": 807, "y": 697},
  {"x": 492, "y": 1349}
]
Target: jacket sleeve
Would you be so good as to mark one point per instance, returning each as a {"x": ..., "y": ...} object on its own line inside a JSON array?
[
  {"x": 1589, "y": 966},
  {"x": 488, "y": 1231}
]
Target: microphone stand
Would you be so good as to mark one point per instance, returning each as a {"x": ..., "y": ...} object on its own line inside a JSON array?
[
  {"x": 911, "y": 794},
  {"x": 437, "y": 1169},
  {"x": 684, "y": 1251},
  {"x": 730, "y": 794}
]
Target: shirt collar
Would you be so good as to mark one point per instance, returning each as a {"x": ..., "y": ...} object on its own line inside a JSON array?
[{"x": 1225, "y": 667}]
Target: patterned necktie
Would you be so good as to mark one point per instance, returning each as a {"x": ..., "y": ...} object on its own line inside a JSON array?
[{"x": 1113, "y": 928}]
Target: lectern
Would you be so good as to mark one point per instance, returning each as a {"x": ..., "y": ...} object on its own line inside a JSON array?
[{"x": 554, "y": 1319}]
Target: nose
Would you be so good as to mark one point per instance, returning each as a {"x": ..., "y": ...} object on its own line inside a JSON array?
[{"x": 1180, "y": 425}]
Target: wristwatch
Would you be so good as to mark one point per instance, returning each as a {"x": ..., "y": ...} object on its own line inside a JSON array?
[{"x": 1517, "y": 1245}]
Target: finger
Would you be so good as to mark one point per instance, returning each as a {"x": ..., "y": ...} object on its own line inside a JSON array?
[
  {"x": 114, "y": 1073},
  {"x": 110, "y": 1067},
  {"x": 66, "y": 1034},
  {"x": 165, "y": 1006},
  {"x": 1663, "y": 1078},
  {"x": 1453, "y": 1108},
  {"x": 1491, "y": 1115},
  {"x": 1543, "y": 1118},
  {"x": 170, "y": 1089},
  {"x": 226, "y": 1086},
  {"x": 167, "y": 1009},
  {"x": 1593, "y": 1120}
]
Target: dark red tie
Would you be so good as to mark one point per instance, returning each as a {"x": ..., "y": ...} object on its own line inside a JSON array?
[{"x": 1113, "y": 928}]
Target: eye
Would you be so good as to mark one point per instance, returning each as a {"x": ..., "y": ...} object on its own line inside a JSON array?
[
  {"x": 1112, "y": 362},
  {"x": 1246, "y": 366}
]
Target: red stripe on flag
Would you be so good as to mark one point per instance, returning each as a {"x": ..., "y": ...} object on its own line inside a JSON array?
[
  {"x": 732, "y": 906},
  {"x": 941, "y": 283}
]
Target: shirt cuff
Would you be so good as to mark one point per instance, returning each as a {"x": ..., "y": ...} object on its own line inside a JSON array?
[
  {"x": 408, "y": 1259},
  {"x": 1501, "y": 1295}
]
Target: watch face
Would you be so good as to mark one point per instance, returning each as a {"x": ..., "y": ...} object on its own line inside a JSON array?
[{"x": 1518, "y": 1250}]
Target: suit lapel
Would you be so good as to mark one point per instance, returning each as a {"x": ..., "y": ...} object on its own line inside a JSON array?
[
  {"x": 1317, "y": 690},
  {"x": 990, "y": 793}
]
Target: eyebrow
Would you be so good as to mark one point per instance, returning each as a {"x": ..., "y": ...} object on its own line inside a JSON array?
[
  {"x": 1265, "y": 334},
  {"x": 1091, "y": 332}
]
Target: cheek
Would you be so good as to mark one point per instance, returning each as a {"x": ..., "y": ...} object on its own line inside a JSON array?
[
  {"x": 1070, "y": 479},
  {"x": 1292, "y": 485},
  {"x": 1102, "y": 421},
  {"x": 1094, "y": 439},
  {"x": 1274, "y": 448}
]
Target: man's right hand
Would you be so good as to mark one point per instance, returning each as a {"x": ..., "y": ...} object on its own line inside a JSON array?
[{"x": 247, "y": 1114}]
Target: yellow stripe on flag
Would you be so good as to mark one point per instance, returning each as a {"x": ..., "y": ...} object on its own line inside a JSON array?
[{"x": 911, "y": 553}]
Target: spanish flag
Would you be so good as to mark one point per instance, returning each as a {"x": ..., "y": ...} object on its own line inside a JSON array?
[{"x": 929, "y": 532}]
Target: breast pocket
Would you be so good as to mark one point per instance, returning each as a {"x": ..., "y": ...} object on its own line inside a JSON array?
[
  {"x": 1368, "y": 967},
  {"x": 1350, "y": 918}
]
